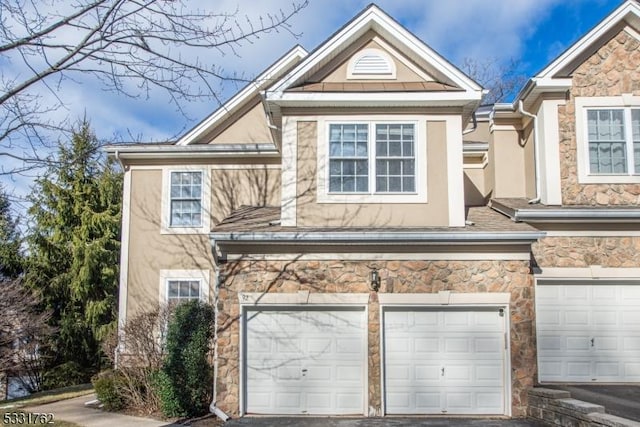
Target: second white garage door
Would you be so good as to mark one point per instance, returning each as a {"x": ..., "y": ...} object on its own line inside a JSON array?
[
  {"x": 588, "y": 332},
  {"x": 449, "y": 361},
  {"x": 301, "y": 361}
]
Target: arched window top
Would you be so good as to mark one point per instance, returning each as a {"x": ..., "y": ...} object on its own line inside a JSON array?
[{"x": 371, "y": 64}]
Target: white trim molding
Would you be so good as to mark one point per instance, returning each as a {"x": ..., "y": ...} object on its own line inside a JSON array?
[
  {"x": 289, "y": 176},
  {"x": 386, "y": 256},
  {"x": 445, "y": 298},
  {"x": 302, "y": 298},
  {"x": 123, "y": 291},
  {"x": 203, "y": 276},
  {"x": 420, "y": 156},
  {"x": 165, "y": 227},
  {"x": 455, "y": 179},
  {"x": 592, "y": 272},
  {"x": 551, "y": 188},
  {"x": 582, "y": 106}
]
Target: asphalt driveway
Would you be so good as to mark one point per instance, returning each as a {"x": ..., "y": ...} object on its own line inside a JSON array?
[{"x": 377, "y": 422}]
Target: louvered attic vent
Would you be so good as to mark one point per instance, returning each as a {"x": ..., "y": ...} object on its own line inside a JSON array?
[{"x": 371, "y": 64}]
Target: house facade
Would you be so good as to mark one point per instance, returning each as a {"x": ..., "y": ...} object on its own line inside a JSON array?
[{"x": 376, "y": 242}]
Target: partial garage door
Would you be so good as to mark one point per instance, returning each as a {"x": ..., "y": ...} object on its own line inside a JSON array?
[
  {"x": 588, "y": 333},
  {"x": 305, "y": 361},
  {"x": 448, "y": 361}
]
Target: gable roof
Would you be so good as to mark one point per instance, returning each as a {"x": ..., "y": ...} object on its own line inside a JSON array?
[
  {"x": 264, "y": 80},
  {"x": 628, "y": 12},
  {"x": 556, "y": 76},
  {"x": 373, "y": 18}
]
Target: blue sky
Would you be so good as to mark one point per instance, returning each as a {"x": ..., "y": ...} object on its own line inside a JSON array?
[{"x": 531, "y": 32}]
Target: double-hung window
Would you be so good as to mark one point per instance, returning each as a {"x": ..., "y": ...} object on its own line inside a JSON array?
[
  {"x": 608, "y": 139},
  {"x": 614, "y": 141},
  {"x": 372, "y": 158},
  {"x": 186, "y": 199},
  {"x": 177, "y": 286}
]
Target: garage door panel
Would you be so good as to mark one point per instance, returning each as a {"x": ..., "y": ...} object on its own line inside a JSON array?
[
  {"x": 459, "y": 359},
  {"x": 591, "y": 343},
  {"x": 304, "y": 367}
]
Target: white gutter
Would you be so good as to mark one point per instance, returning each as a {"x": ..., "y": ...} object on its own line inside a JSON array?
[
  {"x": 212, "y": 407},
  {"x": 536, "y": 155},
  {"x": 142, "y": 151},
  {"x": 383, "y": 237},
  {"x": 588, "y": 215}
]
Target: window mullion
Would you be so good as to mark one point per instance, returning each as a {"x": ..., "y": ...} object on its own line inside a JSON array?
[
  {"x": 372, "y": 158},
  {"x": 628, "y": 138}
]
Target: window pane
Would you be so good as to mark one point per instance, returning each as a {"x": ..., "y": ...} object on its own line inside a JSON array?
[
  {"x": 607, "y": 144},
  {"x": 348, "y": 158},
  {"x": 195, "y": 289},
  {"x": 173, "y": 289},
  {"x": 184, "y": 289},
  {"x": 395, "y": 161},
  {"x": 186, "y": 199}
]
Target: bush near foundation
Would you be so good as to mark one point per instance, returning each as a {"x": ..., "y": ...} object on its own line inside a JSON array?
[{"x": 185, "y": 379}]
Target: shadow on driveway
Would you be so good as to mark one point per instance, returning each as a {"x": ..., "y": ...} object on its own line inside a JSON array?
[{"x": 377, "y": 422}]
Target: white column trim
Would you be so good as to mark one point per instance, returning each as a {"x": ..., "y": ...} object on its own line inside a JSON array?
[
  {"x": 124, "y": 252},
  {"x": 549, "y": 150},
  {"x": 289, "y": 171},
  {"x": 455, "y": 168}
]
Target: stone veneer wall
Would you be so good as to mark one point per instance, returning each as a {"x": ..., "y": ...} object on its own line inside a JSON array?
[
  {"x": 587, "y": 251},
  {"x": 398, "y": 277},
  {"x": 613, "y": 70}
]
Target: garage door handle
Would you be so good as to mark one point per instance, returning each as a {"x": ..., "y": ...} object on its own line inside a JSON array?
[
  {"x": 442, "y": 372},
  {"x": 592, "y": 341}
]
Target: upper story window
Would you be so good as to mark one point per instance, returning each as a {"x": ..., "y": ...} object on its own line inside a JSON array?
[
  {"x": 185, "y": 200},
  {"x": 392, "y": 161},
  {"x": 371, "y": 161},
  {"x": 614, "y": 141},
  {"x": 608, "y": 139}
]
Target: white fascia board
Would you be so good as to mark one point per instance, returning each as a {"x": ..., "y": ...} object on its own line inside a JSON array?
[
  {"x": 260, "y": 82},
  {"x": 627, "y": 8},
  {"x": 374, "y": 16},
  {"x": 372, "y": 98}
]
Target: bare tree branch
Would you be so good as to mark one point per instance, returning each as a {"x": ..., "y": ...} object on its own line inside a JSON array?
[{"x": 132, "y": 47}]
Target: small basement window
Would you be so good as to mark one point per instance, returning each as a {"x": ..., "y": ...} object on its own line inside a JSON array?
[{"x": 371, "y": 64}]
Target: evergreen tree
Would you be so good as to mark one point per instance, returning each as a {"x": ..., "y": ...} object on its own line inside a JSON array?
[
  {"x": 10, "y": 255},
  {"x": 74, "y": 248}
]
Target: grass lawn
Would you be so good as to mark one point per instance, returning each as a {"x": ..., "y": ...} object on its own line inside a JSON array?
[
  {"x": 49, "y": 396},
  {"x": 11, "y": 410}
]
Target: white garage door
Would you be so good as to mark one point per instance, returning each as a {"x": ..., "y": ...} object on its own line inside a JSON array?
[
  {"x": 305, "y": 362},
  {"x": 588, "y": 333},
  {"x": 444, "y": 361}
]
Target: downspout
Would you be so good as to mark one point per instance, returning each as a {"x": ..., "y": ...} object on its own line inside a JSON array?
[
  {"x": 267, "y": 110},
  {"x": 536, "y": 153},
  {"x": 216, "y": 286},
  {"x": 475, "y": 125}
]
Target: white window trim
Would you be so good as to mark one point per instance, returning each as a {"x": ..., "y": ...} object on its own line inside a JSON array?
[
  {"x": 391, "y": 75},
  {"x": 166, "y": 275},
  {"x": 166, "y": 227},
  {"x": 420, "y": 154},
  {"x": 584, "y": 104}
]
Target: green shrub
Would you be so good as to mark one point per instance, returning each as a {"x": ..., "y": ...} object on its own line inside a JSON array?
[
  {"x": 65, "y": 375},
  {"x": 107, "y": 385},
  {"x": 184, "y": 382}
]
